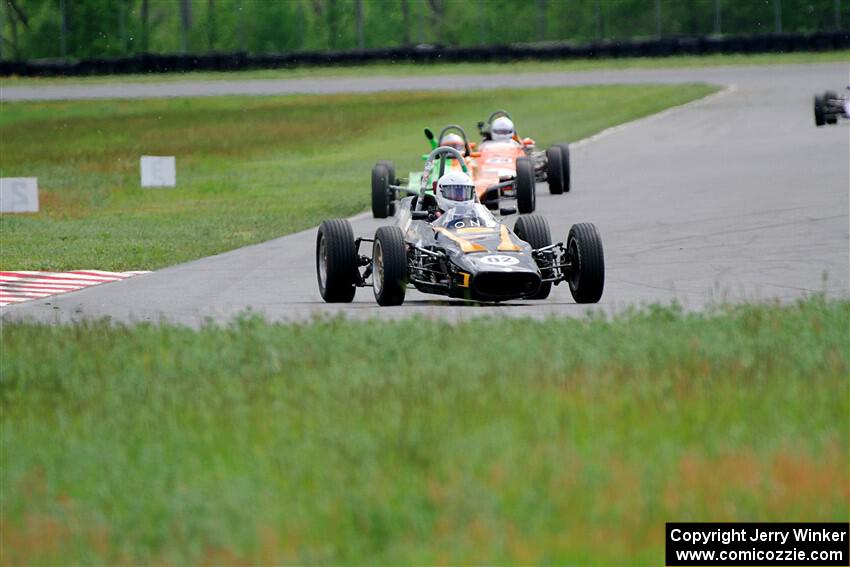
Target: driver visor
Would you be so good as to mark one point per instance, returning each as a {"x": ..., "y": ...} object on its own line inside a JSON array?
[{"x": 458, "y": 192}]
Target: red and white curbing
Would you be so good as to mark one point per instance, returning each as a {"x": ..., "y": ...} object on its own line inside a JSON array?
[{"x": 16, "y": 287}]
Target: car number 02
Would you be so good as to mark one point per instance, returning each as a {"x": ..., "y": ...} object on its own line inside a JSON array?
[{"x": 499, "y": 260}]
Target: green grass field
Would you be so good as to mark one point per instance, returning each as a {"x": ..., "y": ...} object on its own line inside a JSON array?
[
  {"x": 248, "y": 168},
  {"x": 419, "y": 442},
  {"x": 382, "y": 69}
]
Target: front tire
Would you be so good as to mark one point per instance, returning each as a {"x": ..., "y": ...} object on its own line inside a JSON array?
[
  {"x": 584, "y": 251},
  {"x": 393, "y": 197},
  {"x": 336, "y": 261},
  {"x": 829, "y": 100},
  {"x": 525, "y": 186},
  {"x": 534, "y": 229},
  {"x": 389, "y": 266},
  {"x": 819, "y": 114},
  {"x": 380, "y": 191}
]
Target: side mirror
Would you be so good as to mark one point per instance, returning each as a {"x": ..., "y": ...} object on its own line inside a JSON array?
[
  {"x": 474, "y": 154},
  {"x": 419, "y": 215},
  {"x": 472, "y": 145},
  {"x": 481, "y": 125},
  {"x": 429, "y": 134},
  {"x": 527, "y": 142},
  {"x": 505, "y": 211},
  {"x": 424, "y": 157}
]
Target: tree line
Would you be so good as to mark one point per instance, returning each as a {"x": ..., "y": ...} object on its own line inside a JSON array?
[{"x": 31, "y": 29}]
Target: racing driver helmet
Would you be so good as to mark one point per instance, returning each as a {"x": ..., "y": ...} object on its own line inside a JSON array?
[
  {"x": 453, "y": 141},
  {"x": 455, "y": 189},
  {"x": 502, "y": 129}
]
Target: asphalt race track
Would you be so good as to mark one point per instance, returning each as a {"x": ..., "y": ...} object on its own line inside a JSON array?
[{"x": 736, "y": 196}]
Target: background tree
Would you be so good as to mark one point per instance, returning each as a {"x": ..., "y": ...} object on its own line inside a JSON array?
[
  {"x": 185, "y": 24},
  {"x": 94, "y": 28}
]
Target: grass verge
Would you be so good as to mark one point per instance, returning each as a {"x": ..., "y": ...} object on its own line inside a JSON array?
[
  {"x": 401, "y": 69},
  {"x": 405, "y": 443},
  {"x": 248, "y": 168}
]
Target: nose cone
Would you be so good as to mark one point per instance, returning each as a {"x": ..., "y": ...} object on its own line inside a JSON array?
[{"x": 501, "y": 276}]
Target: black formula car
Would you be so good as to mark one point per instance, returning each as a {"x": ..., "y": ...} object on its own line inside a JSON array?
[
  {"x": 465, "y": 253},
  {"x": 830, "y": 107}
]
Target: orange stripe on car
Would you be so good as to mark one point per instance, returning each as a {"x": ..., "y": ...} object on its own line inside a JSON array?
[
  {"x": 475, "y": 230},
  {"x": 465, "y": 245},
  {"x": 505, "y": 242}
]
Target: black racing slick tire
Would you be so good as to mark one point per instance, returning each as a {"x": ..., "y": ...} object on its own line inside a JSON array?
[
  {"x": 393, "y": 181},
  {"x": 554, "y": 172},
  {"x": 534, "y": 229},
  {"x": 389, "y": 266},
  {"x": 525, "y": 186},
  {"x": 336, "y": 261},
  {"x": 820, "y": 119},
  {"x": 565, "y": 165},
  {"x": 380, "y": 191},
  {"x": 830, "y": 98},
  {"x": 390, "y": 168},
  {"x": 587, "y": 274},
  {"x": 558, "y": 168}
]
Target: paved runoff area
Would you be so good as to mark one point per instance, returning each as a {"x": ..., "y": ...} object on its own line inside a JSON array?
[{"x": 736, "y": 196}]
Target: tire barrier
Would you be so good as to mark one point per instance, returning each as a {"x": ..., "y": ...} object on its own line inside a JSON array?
[{"x": 661, "y": 47}]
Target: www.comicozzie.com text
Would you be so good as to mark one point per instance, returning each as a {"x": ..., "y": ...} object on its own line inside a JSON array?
[{"x": 756, "y": 534}]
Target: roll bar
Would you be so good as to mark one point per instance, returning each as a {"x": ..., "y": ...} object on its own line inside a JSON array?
[
  {"x": 497, "y": 114},
  {"x": 442, "y": 153},
  {"x": 456, "y": 128}
]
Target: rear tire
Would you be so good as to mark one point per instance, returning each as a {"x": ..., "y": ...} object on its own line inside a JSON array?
[
  {"x": 554, "y": 171},
  {"x": 389, "y": 266},
  {"x": 584, "y": 250},
  {"x": 534, "y": 229},
  {"x": 336, "y": 261},
  {"x": 565, "y": 165},
  {"x": 525, "y": 186},
  {"x": 380, "y": 191},
  {"x": 819, "y": 114},
  {"x": 393, "y": 181}
]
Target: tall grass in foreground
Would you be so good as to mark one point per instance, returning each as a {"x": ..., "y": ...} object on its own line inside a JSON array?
[{"x": 418, "y": 441}]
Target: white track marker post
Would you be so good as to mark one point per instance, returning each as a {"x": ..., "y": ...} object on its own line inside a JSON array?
[
  {"x": 18, "y": 194},
  {"x": 158, "y": 171}
]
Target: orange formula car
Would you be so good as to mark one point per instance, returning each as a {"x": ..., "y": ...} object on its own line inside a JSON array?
[{"x": 502, "y": 152}]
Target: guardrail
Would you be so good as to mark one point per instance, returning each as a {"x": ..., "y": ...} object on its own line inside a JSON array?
[{"x": 662, "y": 47}]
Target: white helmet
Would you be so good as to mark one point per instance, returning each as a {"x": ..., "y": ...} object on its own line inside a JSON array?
[
  {"x": 455, "y": 188},
  {"x": 453, "y": 141},
  {"x": 502, "y": 129}
]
